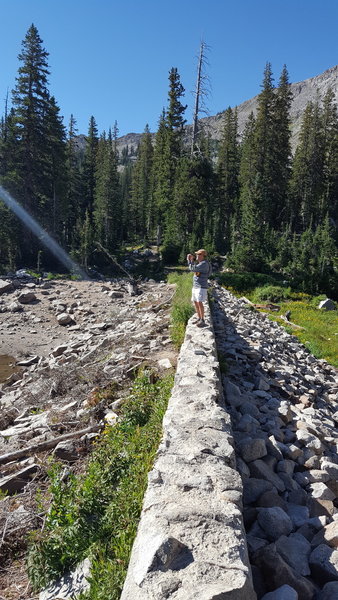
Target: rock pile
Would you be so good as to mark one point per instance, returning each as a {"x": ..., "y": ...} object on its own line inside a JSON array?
[{"x": 284, "y": 408}]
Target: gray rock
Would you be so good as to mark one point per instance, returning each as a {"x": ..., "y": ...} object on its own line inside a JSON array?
[
  {"x": 299, "y": 515},
  {"x": 67, "y": 450},
  {"x": 248, "y": 408},
  {"x": 233, "y": 394},
  {"x": 260, "y": 469},
  {"x": 270, "y": 499},
  {"x": 252, "y": 449},
  {"x": 70, "y": 585},
  {"x": 273, "y": 449},
  {"x": 319, "y": 507},
  {"x": 64, "y": 319},
  {"x": 295, "y": 549},
  {"x": 285, "y": 592},
  {"x": 59, "y": 350},
  {"x": 328, "y": 535},
  {"x": 292, "y": 451},
  {"x": 310, "y": 441},
  {"x": 254, "y": 543},
  {"x": 275, "y": 522},
  {"x": 15, "y": 307},
  {"x": 277, "y": 572},
  {"x": 289, "y": 483},
  {"x": 26, "y": 297},
  {"x": 284, "y": 411},
  {"x": 247, "y": 423},
  {"x": 253, "y": 488},
  {"x": 331, "y": 469},
  {"x": 285, "y": 466},
  {"x": 329, "y": 591},
  {"x": 5, "y": 286},
  {"x": 164, "y": 363},
  {"x": 321, "y": 491},
  {"x": 324, "y": 564},
  {"x": 327, "y": 304}
]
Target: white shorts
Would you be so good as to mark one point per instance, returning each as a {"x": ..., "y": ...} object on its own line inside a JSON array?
[{"x": 199, "y": 295}]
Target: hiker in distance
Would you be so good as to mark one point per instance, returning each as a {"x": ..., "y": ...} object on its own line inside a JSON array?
[{"x": 202, "y": 270}]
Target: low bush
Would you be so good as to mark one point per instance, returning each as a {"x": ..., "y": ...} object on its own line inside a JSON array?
[
  {"x": 271, "y": 293},
  {"x": 246, "y": 282}
]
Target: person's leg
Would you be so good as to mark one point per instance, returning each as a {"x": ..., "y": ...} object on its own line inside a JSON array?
[
  {"x": 201, "y": 310},
  {"x": 198, "y": 309}
]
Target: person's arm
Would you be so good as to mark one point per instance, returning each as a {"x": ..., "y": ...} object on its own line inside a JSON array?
[
  {"x": 190, "y": 259},
  {"x": 202, "y": 267}
]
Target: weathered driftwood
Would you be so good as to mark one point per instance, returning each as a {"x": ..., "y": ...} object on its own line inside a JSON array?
[{"x": 47, "y": 445}]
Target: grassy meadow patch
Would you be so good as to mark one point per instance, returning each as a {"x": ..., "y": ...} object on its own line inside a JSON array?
[{"x": 320, "y": 334}]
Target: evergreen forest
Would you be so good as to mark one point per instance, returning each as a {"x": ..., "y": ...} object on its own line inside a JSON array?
[{"x": 247, "y": 199}]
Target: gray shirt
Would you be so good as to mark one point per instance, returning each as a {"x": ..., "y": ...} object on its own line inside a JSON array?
[{"x": 201, "y": 272}]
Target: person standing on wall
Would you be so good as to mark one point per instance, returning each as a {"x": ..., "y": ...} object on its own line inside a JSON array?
[{"x": 202, "y": 270}]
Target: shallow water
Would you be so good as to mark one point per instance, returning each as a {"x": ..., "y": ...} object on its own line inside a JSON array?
[{"x": 7, "y": 366}]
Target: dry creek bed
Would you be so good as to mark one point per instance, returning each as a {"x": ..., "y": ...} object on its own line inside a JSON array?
[{"x": 67, "y": 339}]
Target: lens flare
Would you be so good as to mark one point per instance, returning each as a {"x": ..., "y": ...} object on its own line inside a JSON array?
[{"x": 41, "y": 234}]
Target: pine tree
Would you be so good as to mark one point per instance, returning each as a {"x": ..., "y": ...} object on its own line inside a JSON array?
[
  {"x": 189, "y": 219},
  {"x": 141, "y": 194},
  {"x": 56, "y": 146},
  {"x": 168, "y": 150},
  {"x": 107, "y": 206},
  {"x": 73, "y": 209},
  {"x": 89, "y": 167},
  {"x": 33, "y": 169},
  {"x": 31, "y": 104},
  {"x": 127, "y": 229},
  {"x": 329, "y": 200},
  {"x": 228, "y": 181},
  {"x": 282, "y": 150},
  {"x": 306, "y": 185},
  {"x": 162, "y": 176},
  {"x": 86, "y": 244},
  {"x": 265, "y": 140}
]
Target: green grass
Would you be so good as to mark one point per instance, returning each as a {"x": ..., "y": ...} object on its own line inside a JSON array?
[
  {"x": 320, "y": 335},
  {"x": 182, "y": 308},
  {"x": 96, "y": 514}
]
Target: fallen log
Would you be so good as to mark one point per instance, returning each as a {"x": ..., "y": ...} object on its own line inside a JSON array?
[
  {"x": 47, "y": 445},
  {"x": 290, "y": 322}
]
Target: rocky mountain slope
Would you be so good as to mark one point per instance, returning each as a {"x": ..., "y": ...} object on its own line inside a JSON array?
[{"x": 303, "y": 92}]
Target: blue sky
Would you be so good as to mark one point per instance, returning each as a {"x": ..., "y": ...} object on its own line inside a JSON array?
[{"x": 111, "y": 58}]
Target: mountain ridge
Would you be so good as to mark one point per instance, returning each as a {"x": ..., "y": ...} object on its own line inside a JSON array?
[{"x": 303, "y": 92}]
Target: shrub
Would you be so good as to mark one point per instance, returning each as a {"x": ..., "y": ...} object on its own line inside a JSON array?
[{"x": 271, "y": 293}]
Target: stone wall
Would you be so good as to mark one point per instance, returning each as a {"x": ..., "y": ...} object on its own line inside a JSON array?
[{"x": 191, "y": 541}]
